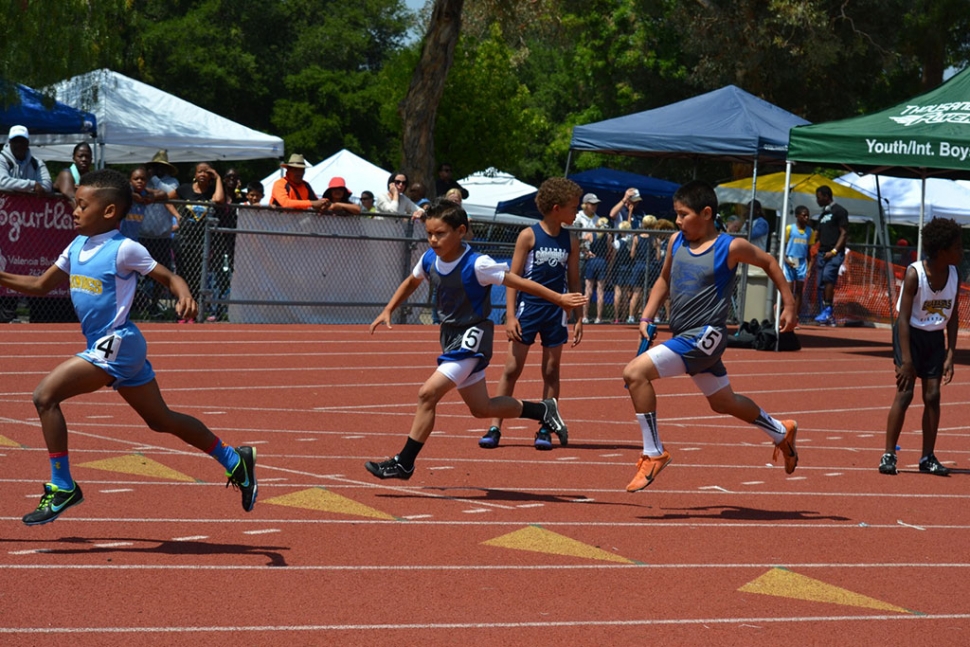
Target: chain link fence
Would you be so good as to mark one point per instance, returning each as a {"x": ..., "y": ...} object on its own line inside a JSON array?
[{"x": 247, "y": 264}]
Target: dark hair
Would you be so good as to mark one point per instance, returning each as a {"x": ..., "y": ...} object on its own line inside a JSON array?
[
  {"x": 257, "y": 187},
  {"x": 390, "y": 180},
  {"x": 556, "y": 190},
  {"x": 939, "y": 234},
  {"x": 112, "y": 182},
  {"x": 444, "y": 164},
  {"x": 366, "y": 195},
  {"x": 801, "y": 209},
  {"x": 450, "y": 212},
  {"x": 824, "y": 190},
  {"x": 78, "y": 146},
  {"x": 140, "y": 167},
  {"x": 695, "y": 195}
]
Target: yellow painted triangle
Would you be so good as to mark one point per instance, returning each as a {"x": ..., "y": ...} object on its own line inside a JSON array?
[
  {"x": 6, "y": 442},
  {"x": 784, "y": 583},
  {"x": 540, "y": 540},
  {"x": 320, "y": 499},
  {"x": 138, "y": 465}
]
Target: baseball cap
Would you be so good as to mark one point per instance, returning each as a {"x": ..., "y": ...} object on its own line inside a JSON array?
[
  {"x": 591, "y": 198},
  {"x": 18, "y": 131},
  {"x": 635, "y": 196}
]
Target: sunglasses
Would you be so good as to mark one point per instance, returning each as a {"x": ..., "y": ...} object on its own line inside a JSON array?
[{"x": 404, "y": 182}]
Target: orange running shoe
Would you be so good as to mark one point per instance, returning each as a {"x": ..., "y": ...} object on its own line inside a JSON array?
[
  {"x": 648, "y": 467},
  {"x": 787, "y": 446}
]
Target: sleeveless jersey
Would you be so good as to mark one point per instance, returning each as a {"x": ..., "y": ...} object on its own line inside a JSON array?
[
  {"x": 599, "y": 245},
  {"x": 546, "y": 264},
  {"x": 94, "y": 283},
  {"x": 798, "y": 241},
  {"x": 463, "y": 306},
  {"x": 701, "y": 285},
  {"x": 931, "y": 310}
]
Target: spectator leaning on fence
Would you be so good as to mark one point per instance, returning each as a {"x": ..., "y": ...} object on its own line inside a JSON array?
[
  {"x": 68, "y": 178},
  {"x": 340, "y": 199},
  {"x": 291, "y": 192},
  {"x": 19, "y": 170},
  {"x": 396, "y": 199}
]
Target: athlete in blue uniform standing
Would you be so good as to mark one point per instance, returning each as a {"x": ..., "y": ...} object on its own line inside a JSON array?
[
  {"x": 463, "y": 280},
  {"x": 698, "y": 274},
  {"x": 548, "y": 254},
  {"x": 103, "y": 268}
]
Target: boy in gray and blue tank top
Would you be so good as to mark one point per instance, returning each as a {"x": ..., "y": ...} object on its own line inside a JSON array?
[{"x": 698, "y": 275}]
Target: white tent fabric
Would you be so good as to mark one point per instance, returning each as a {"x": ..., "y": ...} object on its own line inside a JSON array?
[
  {"x": 901, "y": 197},
  {"x": 359, "y": 175},
  {"x": 489, "y": 187},
  {"x": 136, "y": 120}
]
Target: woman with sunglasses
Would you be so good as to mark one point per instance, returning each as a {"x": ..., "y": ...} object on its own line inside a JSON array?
[{"x": 396, "y": 199}]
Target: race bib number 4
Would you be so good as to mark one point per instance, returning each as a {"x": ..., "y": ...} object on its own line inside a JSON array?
[
  {"x": 707, "y": 343},
  {"x": 472, "y": 339},
  {"x": 107, "y": 348}
]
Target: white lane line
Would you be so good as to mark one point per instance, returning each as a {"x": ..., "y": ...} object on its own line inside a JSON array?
[
  {"x": 451, "y": 626},
  {"x": 906, "y": 525},
  {"x": 530, "y": 505},
  {"x": 412, "y": 517},
  {"x": 266, "y": 531},
  {"x": 191, "y": 538},
  {"x": 752, "y": 483},
  {"x": 114, "y": 544},
  {"x": 476, "y": 511},
  {"x": 117, "y": 490}
]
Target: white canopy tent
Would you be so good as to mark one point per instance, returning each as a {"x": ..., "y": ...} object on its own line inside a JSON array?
[
  {"x": 489, "y": 187},
  {"x": 358, "y": 174},
  {"x": 901, "y": 197},
  {"x": 136, "y": 120}
]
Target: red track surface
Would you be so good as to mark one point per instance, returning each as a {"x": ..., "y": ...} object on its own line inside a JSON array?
[{"x": 153, "y": 561}]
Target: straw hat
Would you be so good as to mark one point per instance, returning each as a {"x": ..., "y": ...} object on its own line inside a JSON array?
[
  {"x": 296, "y": 161},
  {"x": 161, "y": 158}
]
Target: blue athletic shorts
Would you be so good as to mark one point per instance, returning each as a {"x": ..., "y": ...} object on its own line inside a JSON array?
[
  {"x": 549, "y": 322},
  {"x": 828, "y": 270},
  {"x": 701, "y": 349},
  {"x": 596, "y": 269},
  {"x": 122, "y": 354}
]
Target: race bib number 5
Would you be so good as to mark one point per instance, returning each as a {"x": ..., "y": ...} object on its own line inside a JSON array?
[
  {"x": 707, "y": 343},
  {"x": 107, "y": 348},
  {"x": 472, "y": 339}
]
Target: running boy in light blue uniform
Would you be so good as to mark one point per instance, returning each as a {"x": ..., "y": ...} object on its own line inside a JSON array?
[
  {"x": 548, "y": 254},
  {"x": 698, "y": 274},
  {"x": 799, "y": 240},
  {"x": 103, "y": 267},
  {"x": 463, "y": 280}
]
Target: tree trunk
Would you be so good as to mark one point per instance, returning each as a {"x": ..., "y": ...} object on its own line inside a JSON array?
[{"x": 419, "y": 109}]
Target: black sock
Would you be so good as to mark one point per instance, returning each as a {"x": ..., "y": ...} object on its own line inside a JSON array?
[
  {"x": 409, "y": 453},
  {"x": 533, "y": 410}
]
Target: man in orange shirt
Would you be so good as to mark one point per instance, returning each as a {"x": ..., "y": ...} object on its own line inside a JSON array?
[{"x": 291, "y": 192}]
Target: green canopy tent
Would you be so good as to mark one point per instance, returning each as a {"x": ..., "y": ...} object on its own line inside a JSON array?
[{"x": 924, "y": 137}]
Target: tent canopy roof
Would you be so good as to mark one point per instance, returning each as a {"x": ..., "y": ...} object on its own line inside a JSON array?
[
  {"x": 31, "y": 111},
  {"x": 728, "y": 123},
  {"x": 926, "y": 136},
  {"x": 486, "y": 189},
  {"x": 901, "y": 197},
  {"x": 135, "y": 120},
  {"x": 358, "y": 174},
  {"x": 771, "y": 193}
]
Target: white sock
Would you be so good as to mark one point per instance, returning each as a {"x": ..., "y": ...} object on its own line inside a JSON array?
[
  {"x": 775, "y": 430},
  {"x": 651, "y": 440}
]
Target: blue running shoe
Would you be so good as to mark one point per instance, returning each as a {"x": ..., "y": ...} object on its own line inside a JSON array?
[
  {"x": 490, "y": 439},
  {"x": 543, "y": 440}
]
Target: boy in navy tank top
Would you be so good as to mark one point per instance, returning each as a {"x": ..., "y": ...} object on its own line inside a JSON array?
[
  {"x": 925, "y": 339},
  {"x": 698, "y": 274},
  {"x": 463, "y": 280},
  {"x": 103, "y": 268},
  {"x": 548, "y": 254}
]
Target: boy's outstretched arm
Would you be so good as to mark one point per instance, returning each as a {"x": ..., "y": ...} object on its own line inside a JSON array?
[
  {"x": 406, "y": 289},
  {"x": 567, "y": 301},
  {"x": 185, "y": 305},
  {"x": 744, "y": 252},
  {"x": 39, "y": 285}
]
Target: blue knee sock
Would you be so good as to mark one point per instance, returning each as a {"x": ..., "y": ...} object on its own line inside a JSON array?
[
  {"x": 225, "y": 454},
  {"x": 61, "y": 471}
]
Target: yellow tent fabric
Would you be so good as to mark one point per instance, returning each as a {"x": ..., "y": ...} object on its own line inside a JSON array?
[{"x": 771, "y": 193}]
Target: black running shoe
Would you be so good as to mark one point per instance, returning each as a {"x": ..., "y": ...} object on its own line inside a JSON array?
[
  {"x": 932, "y": 466},
  {"x": 53, "y": 502},
  {"x": 888, "y": 464},
  {"x": 243, "y": 477},
  {"x": 553, "y": 422},
  {"x": 543, "y": 440},
  {"x": 389, "y": 469},
  {"x": 490, "y": 439}
]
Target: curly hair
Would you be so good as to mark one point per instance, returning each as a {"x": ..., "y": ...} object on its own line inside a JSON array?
[
  {"x": 939, "y": 234},
  {"x": 556, "y": 190}
]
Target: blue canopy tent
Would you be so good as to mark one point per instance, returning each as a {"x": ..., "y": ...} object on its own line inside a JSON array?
[
  {"x": 609, "y": 186},
  {"x": 31, "y": 110}
]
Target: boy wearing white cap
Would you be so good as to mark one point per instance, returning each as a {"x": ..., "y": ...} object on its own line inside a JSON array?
[{"x": 19, "y": 170}]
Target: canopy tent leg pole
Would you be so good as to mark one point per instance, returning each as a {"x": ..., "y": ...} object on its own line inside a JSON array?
[
  {"x": 569, "y": 159},
  {"x": 743, "y": 289},
  {"x": 887, "y": 255},
  {"x": 782, "y": 248},
  {"x": 922, "y": 216}
]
